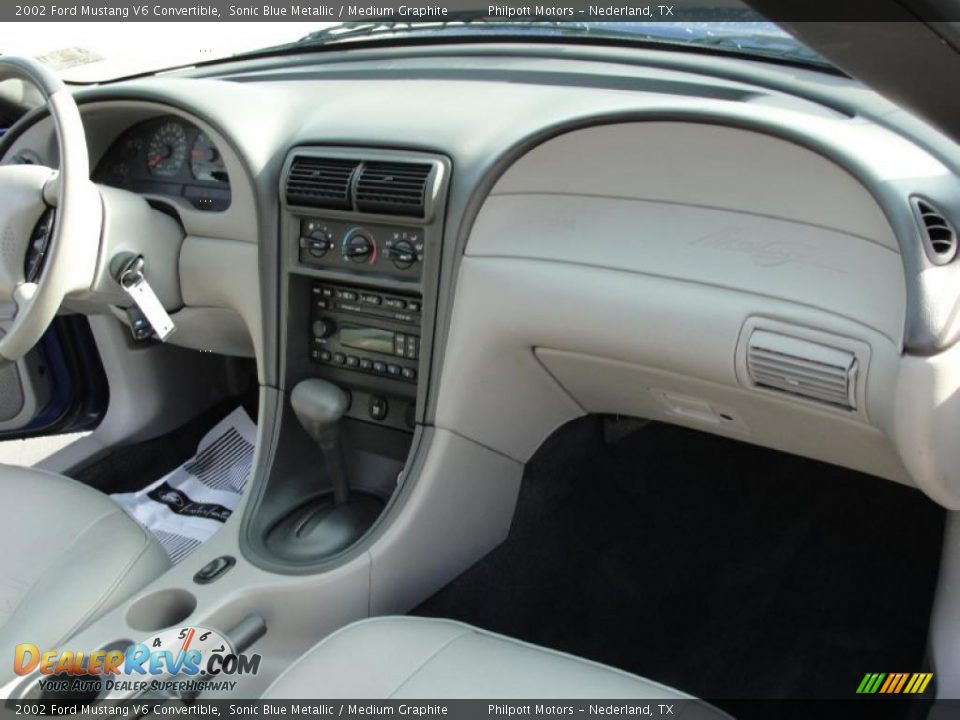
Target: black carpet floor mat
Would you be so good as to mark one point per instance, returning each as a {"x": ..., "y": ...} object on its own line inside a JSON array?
[
  {"x": 719, "y": 568},
  {"x": 132, "y": 467}
]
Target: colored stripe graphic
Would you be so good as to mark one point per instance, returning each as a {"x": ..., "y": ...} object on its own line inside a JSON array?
[
  {"x": 913, "y": 681},
  {"x": 871, "y": 683},
  {"x": 903, "y": 679},
  {"x": 894, "y": 683}
]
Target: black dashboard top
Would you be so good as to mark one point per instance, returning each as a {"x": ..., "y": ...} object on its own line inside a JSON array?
[{"x": 167, "y": 156}]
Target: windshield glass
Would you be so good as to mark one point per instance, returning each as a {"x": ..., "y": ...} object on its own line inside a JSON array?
[{"x": 96, "y": 52}]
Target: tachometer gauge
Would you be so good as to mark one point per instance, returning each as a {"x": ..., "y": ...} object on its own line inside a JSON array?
[
  {"x": 206, "y": 162},
  {"x": 167, "y": 150}
]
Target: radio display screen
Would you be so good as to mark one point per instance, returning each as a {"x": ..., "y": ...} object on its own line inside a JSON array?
[{"x": 367, "y": 338}]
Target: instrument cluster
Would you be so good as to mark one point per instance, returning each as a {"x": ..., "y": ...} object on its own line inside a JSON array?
[{"x": 168, "y": 156}]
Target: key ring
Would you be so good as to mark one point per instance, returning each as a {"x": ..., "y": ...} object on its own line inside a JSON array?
[{"x": 131, "y": 272}]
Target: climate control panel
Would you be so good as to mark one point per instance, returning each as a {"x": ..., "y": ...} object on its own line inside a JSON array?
[{"x": 384, "y": 249}]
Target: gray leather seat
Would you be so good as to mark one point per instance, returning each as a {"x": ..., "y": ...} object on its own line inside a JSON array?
[
  {"x": 410, "y": 657},
  {"x": 69, "y": 554}
]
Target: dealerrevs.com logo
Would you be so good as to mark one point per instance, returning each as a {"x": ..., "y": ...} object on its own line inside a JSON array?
[{"x": 193, "y": 654}]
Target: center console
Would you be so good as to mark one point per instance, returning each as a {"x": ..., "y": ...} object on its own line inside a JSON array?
[
  {"x": 360, "y": 242},
  {"x": 362, "y": 231}
]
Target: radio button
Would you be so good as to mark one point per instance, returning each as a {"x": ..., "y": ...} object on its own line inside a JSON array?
[
  {"x": 413, "y": 349},
  {"x": 366, "y": 363},
  {"x": 339, "y": 358},
  {"x": 346, "y": 295},
  {"x": 353, "y": 361},
  {"x": 379, "y": 367},
  {"x": 327, "y": 292},
  {"x": 413, "y": 305},
  {"x": 399, "y": 344},
  {"x": 325, "y": 355},
  {"x": 395, "y": 303},
  {"x": 370, "y": 299},
  {"x": 377, "y": 408},
  {"x": 393, "y": 370},
  {"x": 409, "y": 373}
]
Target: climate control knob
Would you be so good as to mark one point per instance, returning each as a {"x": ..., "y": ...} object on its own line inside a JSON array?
[
  {"x": 317, "y": 242},
  {"x": 323, "y": 328},
  {"x": 359, "y": 247},
  {"x": 403, "y": 254}
]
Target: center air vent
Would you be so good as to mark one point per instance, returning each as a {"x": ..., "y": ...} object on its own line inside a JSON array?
[
  {"x": 321, "y": 182},
  {"x": 394, "y": 188},
  {"x": 939, "y": 237},
  {"x": 803, "y": 368}
]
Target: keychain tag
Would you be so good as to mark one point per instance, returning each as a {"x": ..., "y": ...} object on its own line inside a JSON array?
[{"x": 139, "y": 290}]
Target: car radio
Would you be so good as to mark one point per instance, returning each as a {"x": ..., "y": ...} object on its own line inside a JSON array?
[{"x": 365, "y": 331}]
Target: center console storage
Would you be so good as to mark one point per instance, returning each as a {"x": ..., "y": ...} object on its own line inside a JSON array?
[{"x": 361, "y": 235}]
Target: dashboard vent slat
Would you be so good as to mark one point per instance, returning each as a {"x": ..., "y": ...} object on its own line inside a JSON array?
[
  {"x": 395, "y": 188},
  {"x": 320, "y": 182},
  {"x": 803, "y": 368},
  {"x": 939, "y": 237}
]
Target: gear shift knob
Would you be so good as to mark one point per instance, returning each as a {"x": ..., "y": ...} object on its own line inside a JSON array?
[{"x": 319, "y": 405}]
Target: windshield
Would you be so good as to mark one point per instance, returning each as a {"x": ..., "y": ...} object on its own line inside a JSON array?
[{"x": 95, "y": 52}]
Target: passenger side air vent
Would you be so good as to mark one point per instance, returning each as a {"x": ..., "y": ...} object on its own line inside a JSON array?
[
  {"x": 803, "y": 368},
  {"x": 321, "y": 182},
  {"x": 394, "y": 188},
  {"x": 939, "y": 237}
]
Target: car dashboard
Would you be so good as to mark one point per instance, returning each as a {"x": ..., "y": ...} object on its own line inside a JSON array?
[{"x": 722, "y": 244}]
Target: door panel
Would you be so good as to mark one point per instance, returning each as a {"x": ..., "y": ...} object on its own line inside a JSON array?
[{"x": 58, "y": 387}]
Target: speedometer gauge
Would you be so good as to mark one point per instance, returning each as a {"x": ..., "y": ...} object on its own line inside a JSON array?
[
  {"x": 206, "y": 162},
  {"x": 167, "y": 150}
]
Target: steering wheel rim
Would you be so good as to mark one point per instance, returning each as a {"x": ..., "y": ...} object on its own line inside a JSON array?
[{"x": 26, "y": 192}]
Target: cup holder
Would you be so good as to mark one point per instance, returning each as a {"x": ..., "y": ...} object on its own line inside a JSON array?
[{"x": 161, "y": 609}]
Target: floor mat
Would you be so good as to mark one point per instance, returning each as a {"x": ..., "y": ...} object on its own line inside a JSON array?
[
  {"x": 188, "y": 505},
  {"x": 720, "y": 568},
  {"x": 129, "y": 468}
]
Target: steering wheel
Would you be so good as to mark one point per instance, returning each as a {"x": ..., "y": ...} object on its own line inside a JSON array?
[{"x": 50, "y": 221}]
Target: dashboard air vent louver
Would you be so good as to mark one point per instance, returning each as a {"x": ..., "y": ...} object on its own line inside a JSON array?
[
  {"x": 939, "y": 237},
  {"x": 803, "y": 368},
  {"x": 394, "y": 188},
  {"x": 321, "y": 182}
]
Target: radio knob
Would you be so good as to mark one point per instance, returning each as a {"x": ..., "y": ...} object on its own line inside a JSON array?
[
  {"x": 403, "y": 254},
  {"x": 323, "y": 328},
  {"x": 359, "y": 247}
]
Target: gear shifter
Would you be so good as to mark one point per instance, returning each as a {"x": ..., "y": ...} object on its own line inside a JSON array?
[
  {"x": 332, "y": 522},
  {"x": 319, "y": 405}
]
